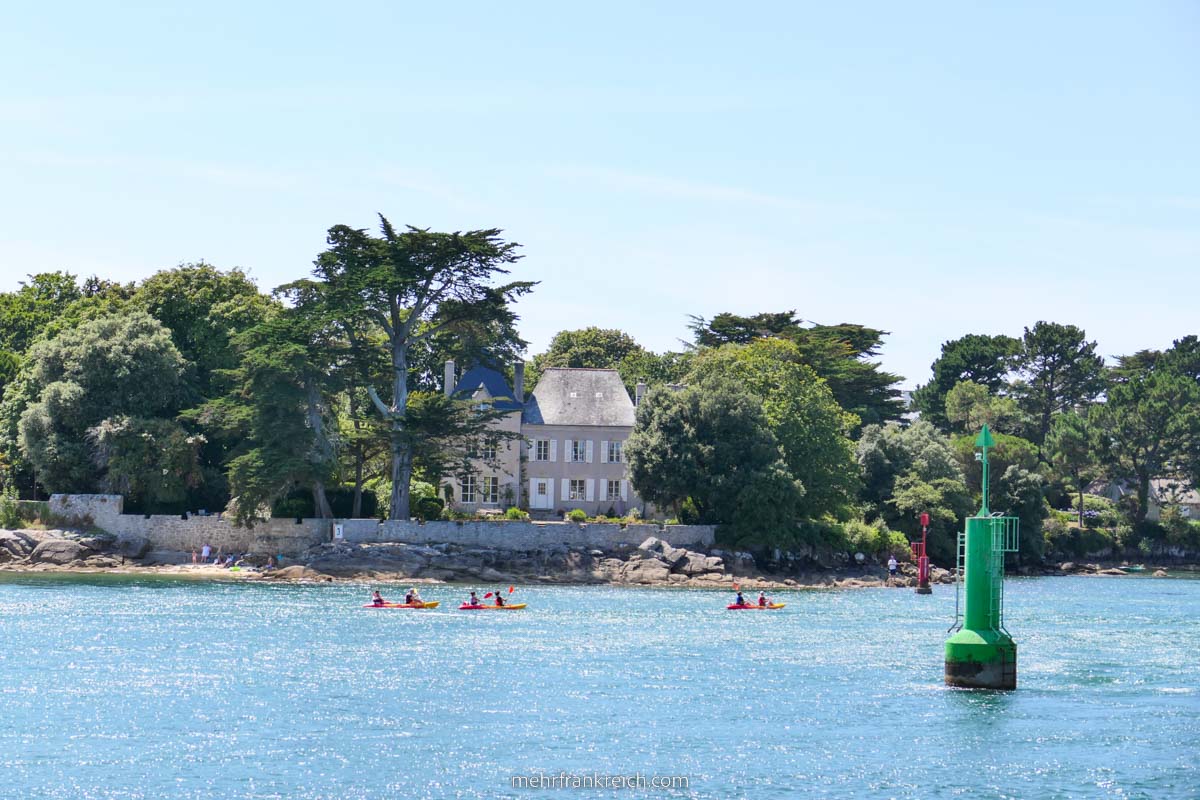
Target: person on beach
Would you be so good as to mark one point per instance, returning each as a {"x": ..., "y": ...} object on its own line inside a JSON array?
[
  {"x": 205, "y": 552},
  {"x": 892, "y": 567},
  {"x": 762, "y": 599},
  {"x": 195, "y": 556},
  {"x": 473, "y": 600},
  {"x": 740, "y": 601},
  {"x": 377, "y": 598}
]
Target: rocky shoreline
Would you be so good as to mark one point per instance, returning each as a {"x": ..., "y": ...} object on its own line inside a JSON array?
[{"x": 653, "y": 563}]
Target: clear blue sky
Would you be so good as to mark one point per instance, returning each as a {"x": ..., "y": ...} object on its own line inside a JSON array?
[{"x": 899, "y": 165}]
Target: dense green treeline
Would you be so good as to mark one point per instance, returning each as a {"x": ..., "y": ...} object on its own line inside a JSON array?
[{"x": 196, "y": 389}]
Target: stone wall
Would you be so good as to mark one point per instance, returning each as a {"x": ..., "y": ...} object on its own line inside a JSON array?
[
  {"x": 512, "y": 535},
  {"x": 174, "y": 534}
]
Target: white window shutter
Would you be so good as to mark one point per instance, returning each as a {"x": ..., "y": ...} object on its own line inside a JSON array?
[
  {"x": 591, "y": 493},
  {"x": 588, "y": 453},
  {"x": 603, "y": 452},
  {"x": 624, "y": 491},
  {"x": 568, "y": 450},
  {"x": 554, "y": 449},
  {"x": 532, "y": 493},
  {"x": 566, "y": 490},
  {"x": 550, "y": 492}
]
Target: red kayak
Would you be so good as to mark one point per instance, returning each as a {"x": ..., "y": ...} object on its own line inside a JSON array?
[
  {"x": 506, "y": 607},
  {"x": 755, "y": 607}
]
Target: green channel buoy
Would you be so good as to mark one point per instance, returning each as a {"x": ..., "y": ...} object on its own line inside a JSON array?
[{"x": 980, "y": 653}]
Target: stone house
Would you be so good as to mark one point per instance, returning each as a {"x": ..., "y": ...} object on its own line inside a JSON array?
[
  {"x": 1164, "y": 492},
  {"x": 571, "y": 455}
]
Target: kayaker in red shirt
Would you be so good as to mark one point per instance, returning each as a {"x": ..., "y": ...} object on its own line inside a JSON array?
[
  {"x": 762, "y": 599},
  {"x": 499, "y": 599}
]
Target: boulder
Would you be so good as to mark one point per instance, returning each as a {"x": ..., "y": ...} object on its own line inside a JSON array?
[
  {"x": 58, "y": 551},
  {"x": 1113, "y": 571},
  {"x": 645, "y": 571},
  {"x": 698, "y": 564},
  {"x": 295, "y": 573},
  {"x": 15, "y": 545},
  {"x": 1160, "y": 573},
  {"x": 132, "y": 547}
]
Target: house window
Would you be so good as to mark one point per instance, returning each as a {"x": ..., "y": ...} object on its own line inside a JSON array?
[
  {"x": 578, "y": 490},
  {"x": 468, "y": 489},
  {"x": 491, "y": 490},
  {"x": 482, "y": 406},
  {"x": 614, "y": 452},
  {"x": 488, "y": 452},
  {"x": 541, "y": 450},
  {"x": 578, "y": 450},
  {"x": 540, "y": 488},
  {"x": 614, "y": 491}
]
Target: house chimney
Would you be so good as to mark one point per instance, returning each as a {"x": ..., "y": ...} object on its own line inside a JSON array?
[
  {"x": 449, "y": 378},
  {"x": 519, "y": 381},
  {"x": 640, "y": 393}
]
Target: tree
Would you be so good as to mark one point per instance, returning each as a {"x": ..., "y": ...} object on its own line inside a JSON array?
[
  {"x": 812, "y": 429},
  {"x": 711, "y": 444},
  {"x": 1017, "y": 484},
  {"x": 1060, "y": 370},
  {"x": 110, "y": 367},
  {"x": 204, "y": 309},
  {"x": 606, "y": 348},
  {"x": 981, "y": 359},
  {"x": 152, "y": 462},
  {"x": 969, "y": 406},
  {"x": 280, "y": 404},
  {"x": 908, "y": 470},
  {"x": 841, "y": 354},
  {"x": 1150, "y": 428},
  {"x": 1071, "y": 447},
  {"x": 413, "y": 286}
]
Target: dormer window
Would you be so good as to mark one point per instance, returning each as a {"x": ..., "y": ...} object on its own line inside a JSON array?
[
  {"x": 599, "y": 395},
  {"x": 574, "y": 394}
]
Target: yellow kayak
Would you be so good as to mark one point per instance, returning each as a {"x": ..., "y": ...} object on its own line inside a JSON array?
[
  {"x": 755, "y": 607},
  {"x": 512, "y": 607},
  {"x": 433, "y": 604}
]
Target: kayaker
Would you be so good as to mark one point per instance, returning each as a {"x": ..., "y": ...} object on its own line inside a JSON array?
[
  {"x": 473, "y": 600},
  {"x": 499, "y": 599},
  {"x": 412, "y": 598},
  {"x": 762, "y": 599},
  {"x": 377, "y": 598},
  {"x": 740, "y": 601}
]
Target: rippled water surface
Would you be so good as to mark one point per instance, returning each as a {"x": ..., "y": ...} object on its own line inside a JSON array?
[{"x": 124, "y": 688}]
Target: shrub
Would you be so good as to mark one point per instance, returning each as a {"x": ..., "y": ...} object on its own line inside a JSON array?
[
  {"x": 1098, "y": 512},
  {"x": 427, "y": 507},
  {"x": 299, "y": 503},
  {"x": 873, "y": 539},
  {"x": 577, "y": 515},
  {"x": 515, "y": 513},
  {"x": 10, "y": 514}
]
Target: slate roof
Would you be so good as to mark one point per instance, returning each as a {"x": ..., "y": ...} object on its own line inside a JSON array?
[
  {"x": 494, "y": 385},
  {"x": 579, "y": 397}
]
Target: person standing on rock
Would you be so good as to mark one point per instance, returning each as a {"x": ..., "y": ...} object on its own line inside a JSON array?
[{"x": 892, "y": 567}]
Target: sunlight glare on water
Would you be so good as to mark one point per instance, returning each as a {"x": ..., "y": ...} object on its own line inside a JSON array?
[{"x": 144, "y": 688}]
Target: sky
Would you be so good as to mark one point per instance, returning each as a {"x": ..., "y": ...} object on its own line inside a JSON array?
[{"x": 931, "y": 169}]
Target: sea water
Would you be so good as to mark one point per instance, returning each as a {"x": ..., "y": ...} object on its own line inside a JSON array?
[{"x": 150, "y": 688}]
